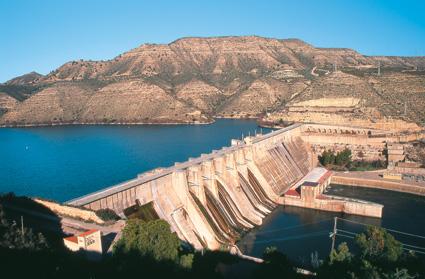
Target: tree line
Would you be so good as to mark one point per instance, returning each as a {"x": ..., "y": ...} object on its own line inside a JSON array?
[
  {"x": 342, "y": 160},
  {"x": 149, "y": 249}
]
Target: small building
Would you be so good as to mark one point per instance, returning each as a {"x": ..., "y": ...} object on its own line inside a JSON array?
[
  {"x": 312, "y": 185},
  {"x": 308, "y": 193},
  {"x": 90, "y": 241}
]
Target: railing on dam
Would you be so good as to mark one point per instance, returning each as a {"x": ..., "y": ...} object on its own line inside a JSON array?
[
  {"x": 276, "y": 133},
  {"x": 141, "y": 180},
  {"x": 270, "y": 138},
  {"x": 80, "y": 201}
]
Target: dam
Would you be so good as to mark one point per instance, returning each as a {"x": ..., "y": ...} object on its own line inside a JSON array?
[{"x": 210, "y": 200}]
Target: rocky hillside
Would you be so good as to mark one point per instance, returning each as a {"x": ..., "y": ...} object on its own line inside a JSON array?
[{"x": 192, "y": 80}]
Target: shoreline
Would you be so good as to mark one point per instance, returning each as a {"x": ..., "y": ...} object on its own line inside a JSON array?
[
  {"x": 101, "y": 124},
  {"x": 133, "y": 123}
]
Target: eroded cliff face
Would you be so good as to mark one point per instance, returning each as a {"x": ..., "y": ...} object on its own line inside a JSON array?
[
  {"x": 7, "y": 102},
  {"x": 194, "y": 79},
  {"x": 390, "y": 101}
]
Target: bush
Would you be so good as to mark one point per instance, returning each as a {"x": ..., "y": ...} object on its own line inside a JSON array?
[
  {"x": 186, "y": 261},
  {"x": 379, "y": 256},
  {"x": 107, "y": 214},
  {"x": 340, "y": 159},
  {"x": 151, "y": 239},
  {"x": 367, "y": 165},
  {"x": 14, "y": 237},
  {"x": 343, "y": 158},
  {"x": 327, "y": 158}
]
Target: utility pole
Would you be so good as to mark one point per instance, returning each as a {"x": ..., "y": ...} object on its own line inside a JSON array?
[
  {"x": 22, "y": 225},
  {"x": 379, "y": 68},
  {"x": 335, "y": 67},
  {"x": 405, "y": 108},
  {"x": 333, "y": 234}
]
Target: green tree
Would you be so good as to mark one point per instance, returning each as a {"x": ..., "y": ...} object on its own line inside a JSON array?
[
  {"x": 14, "y": 237},
  {"x": 186, "y": 261},
  {"x": 343, "y": 158},
  {"x": 153, "y": 239},
  {"x": 377, "y": 244},
  {"x": 342, "y": 254},
  {"x": 327, "y": 158},
  {"x": 380, "y": 256},
  {"x": 399, "y": 274}
]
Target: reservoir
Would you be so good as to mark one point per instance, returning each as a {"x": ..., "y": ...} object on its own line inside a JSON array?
[{"x": 65, "y": 162}]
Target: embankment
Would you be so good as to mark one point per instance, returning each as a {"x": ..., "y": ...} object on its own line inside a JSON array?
[{"x": 378, "y": 184}]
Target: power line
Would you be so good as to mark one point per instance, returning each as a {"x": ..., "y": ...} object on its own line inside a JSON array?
[
  {"x": 315, "y": 234},
  {"x": 412, "y": 250},
  {"x": 390, "y": 230},
  {"x": 406, "y": 247},
  {"x": 293, "y": 227},
  {"x": 347, "y": 236},
  {"x": 413, "y": 246},
  {"x": 351, "y": 235},
  {"x": 344, "y": 231}
]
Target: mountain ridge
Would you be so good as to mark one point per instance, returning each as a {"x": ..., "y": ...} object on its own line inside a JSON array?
[{"x": 196, "y": 78}]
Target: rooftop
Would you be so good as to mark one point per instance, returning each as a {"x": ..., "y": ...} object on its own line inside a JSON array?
[
  {"x": 314, "y": 177},
  {"x": 74, "y": 238}
]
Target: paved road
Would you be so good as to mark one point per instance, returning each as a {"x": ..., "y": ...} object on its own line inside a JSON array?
[
  {"x": 377, "y": 175},
  {"x": 68, "y": 226}
]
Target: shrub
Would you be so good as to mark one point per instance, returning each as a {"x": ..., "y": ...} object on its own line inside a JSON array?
[
  {"x": 186, "y": 261},
  {"x": 343, "y": 158},
  {"x": 327, "y": 158},
  {"x": 152, "y": 239},
  {"x": 107, "y": 214},
  {"x": 14, "y": 237}
]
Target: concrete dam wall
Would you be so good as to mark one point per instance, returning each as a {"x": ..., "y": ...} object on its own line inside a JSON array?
[{"x": 210, "y": 200}]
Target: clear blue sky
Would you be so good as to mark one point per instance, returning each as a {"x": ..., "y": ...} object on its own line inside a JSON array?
[{"x": 41, "y": 35}]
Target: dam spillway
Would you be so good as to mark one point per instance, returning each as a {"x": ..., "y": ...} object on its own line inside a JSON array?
[{"x": 210, "y": 200}]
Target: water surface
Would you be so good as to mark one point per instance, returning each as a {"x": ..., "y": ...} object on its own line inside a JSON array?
[
  {"x": 65, "y": 162},
  {"x": 298, "y": 232},
  {"x": 69, "y": 161}
]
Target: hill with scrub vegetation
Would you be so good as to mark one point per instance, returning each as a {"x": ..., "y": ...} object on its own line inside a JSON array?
[{"x": 193, "y": 80}]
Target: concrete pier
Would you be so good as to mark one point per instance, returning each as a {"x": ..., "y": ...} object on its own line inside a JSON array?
[{"x": 308, "y": 193}]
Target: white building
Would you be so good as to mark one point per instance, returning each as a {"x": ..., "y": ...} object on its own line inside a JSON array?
[{"x": 90, "y": 241}]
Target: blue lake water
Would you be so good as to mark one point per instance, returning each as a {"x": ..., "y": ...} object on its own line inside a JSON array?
[{"x": 65, "y": 162}]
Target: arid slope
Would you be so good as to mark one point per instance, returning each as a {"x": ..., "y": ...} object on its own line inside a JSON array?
[{"x": 192, "y": 80}]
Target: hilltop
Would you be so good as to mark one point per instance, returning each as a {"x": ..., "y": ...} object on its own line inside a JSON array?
[{"x": 192, "y": 80}]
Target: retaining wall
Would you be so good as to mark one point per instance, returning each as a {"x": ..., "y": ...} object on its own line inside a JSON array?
[{"x": 379, "y": 184}]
